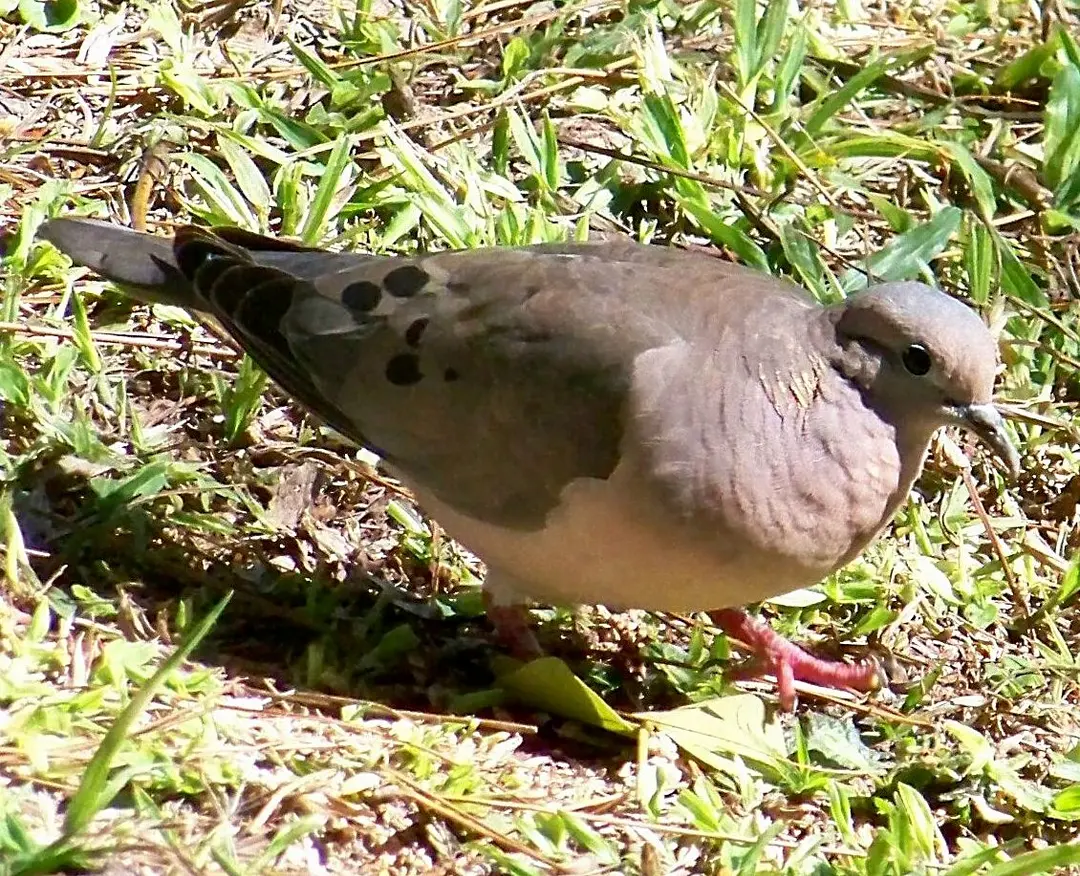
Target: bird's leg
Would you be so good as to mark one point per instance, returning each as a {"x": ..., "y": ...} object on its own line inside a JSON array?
[
  {"x": 511, "y": 623},
  {"x": 787, "y": 661}
]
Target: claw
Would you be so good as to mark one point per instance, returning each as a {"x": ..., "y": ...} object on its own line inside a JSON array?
[{"x": 788, "y": 662}]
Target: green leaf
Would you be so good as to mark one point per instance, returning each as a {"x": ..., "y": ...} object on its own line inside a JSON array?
[
  {"x": 589, "y": 839},
  {"x": 750, "y": 865},
  {"x": 835, "y": 101},
  {"x": 1070, "y": 582},
  {"x": 526, "y": 139},
  {"x": 189, "y": 86},
  {"x": 149, "y": 480},
  {"x": 1069, "y": 44},
  {"x": 920, "y": 821},
  {"x": 217, "y": 188},
  {"x": 663, "y": 130},
  {"x": 319, "y": 71},
  {"x": 337, "y": 175},
  {"x": 83, "y": 337},
  {"x": 840, "y": 810},
  {"x": 291, "y": 832},
  {"x": 906, "y": 256},
  {"x": 1027, "y": 67},
  {"x": 1015, "y": 278},
  {"x": 839, "y": 740},
  {"x": 1067, "y": 198},
  {"x": 980, "y": 262},
  {"x": 50, "y": 15},
  {"x": 14, "y": 387},
  {"x": 1061, "y": 141},
  {"x": 92, "y": 794},
  {"x": 549, "y": 684},
  {"x": 975, "y": 745},
  {"x": 804, "y": 257},
  {"x": 240, "y": 397},
  {"x": 787, "y": 74},
  {"x": 300, "y": 136},
  {"x": 724, "y": 726},
  {"x": 725, "y": 234},
  {"x": 438, "y": 206},
  {"x": 1051, "y": 860},
  {"x": 248, "y": 177},
  {"x": 396, "y": 642},
  {"x": 515, "y": 56},
  {"x": 745, "y": 38},
  {"x": 982, "y": 187},
  {"x": 770, "y": 32},
  {"x": 883, "y": 144},
  {"x": 1068, "y": 801},
  {"x": 551, "y": 154}
]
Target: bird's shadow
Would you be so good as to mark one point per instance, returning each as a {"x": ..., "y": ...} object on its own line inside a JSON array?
[{"x": 359, "y": 637}]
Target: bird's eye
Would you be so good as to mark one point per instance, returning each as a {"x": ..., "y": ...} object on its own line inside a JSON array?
[{"x": 917, "y": 360}]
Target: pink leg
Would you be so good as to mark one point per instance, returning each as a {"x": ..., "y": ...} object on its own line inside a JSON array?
[
  {"x": 511, "y": 623},
  {"x": 787, "y": 661}
]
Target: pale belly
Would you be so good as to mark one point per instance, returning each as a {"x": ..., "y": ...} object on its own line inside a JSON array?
[{"x": 606, "y": 544}]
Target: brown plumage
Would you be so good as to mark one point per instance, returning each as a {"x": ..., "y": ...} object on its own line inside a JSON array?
[{"x": 636, "y": 426}]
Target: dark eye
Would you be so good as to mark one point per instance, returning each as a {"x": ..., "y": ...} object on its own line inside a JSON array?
[{"x": 917, "y": 360}]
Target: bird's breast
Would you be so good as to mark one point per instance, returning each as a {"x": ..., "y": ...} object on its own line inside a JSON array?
[
  {"x": 825, "y": 474},
  {"x": 611, "y": 542},
  {"x": 720, "y": 497}
]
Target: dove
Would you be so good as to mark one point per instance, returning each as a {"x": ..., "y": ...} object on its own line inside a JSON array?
[{"x": 609, "y": 423}]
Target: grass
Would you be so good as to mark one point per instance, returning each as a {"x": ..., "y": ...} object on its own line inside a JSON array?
[{"x": 340, "y": 713}]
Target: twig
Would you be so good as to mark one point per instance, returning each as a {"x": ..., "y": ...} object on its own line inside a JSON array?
[
  {"x": 999, "y": 548},
  {"x": 426, "y": 800},
  {"x": 121, "y": 340}
]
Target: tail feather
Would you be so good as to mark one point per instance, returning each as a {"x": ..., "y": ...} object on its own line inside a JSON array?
[
  {"x": 142, "y": 263},
  {"x": 146, "y": 266},
  {"x": 243, "y": 280}
]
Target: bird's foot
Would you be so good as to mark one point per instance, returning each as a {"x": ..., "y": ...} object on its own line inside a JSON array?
[
  {"x": 511, "y": 623},
  {"x": 788, "y": 662}
]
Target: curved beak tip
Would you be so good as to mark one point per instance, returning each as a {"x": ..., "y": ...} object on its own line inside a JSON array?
[{"x": 986, "y": 422}]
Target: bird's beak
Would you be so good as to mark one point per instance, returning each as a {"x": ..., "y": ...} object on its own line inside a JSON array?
[{"x": 986, "y": 422}]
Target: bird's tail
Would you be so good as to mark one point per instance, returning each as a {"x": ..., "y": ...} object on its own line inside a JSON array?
[
  {"x": 166, "y": 270},
  {"x": 142, "y": 263}
]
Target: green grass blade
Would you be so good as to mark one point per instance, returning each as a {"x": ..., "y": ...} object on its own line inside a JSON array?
[
  {"x": 90, "y": 797},
  {"x": 907, "y": 255},
  {"x": 1015, "y": 278},
  {"x": 1061, "y": 141},
  {"x": 833, "y": 103},
  {"x": 1051, "y": 860},
  {"x": 787, "y": 74},
  {"x": 978, "y": 179},
  {"x": 980, "y": 263},
  {"x": 770, "y": 32},
  {"x": 335, "y": 177}
]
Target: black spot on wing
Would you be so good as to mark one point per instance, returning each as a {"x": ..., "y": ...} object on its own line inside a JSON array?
[
  {"x": 406, "y": 281},
  {"x": 362, "y": 296},
  {"x": 404, "y": 369},
  {"x": 450, "y": 375},
  {"x": 415, "y": 331}
]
